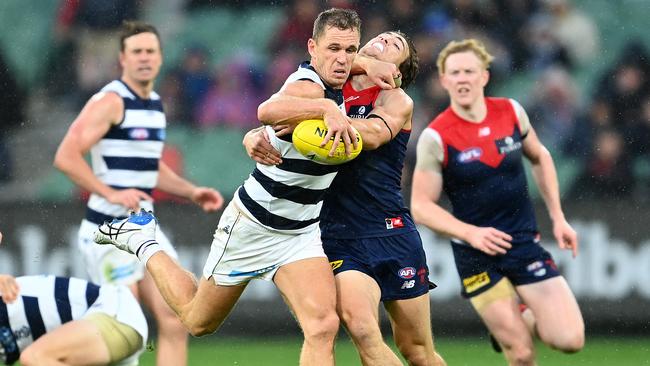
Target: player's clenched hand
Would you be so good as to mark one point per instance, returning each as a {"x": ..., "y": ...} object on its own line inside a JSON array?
[
  {"x": 259, "y": 148},
  {"x": 383, "y": 74},
  {"x": 339, "y": 129},
  {"x": 208, "y": 198},
  {"x": 8, "y": 288},
  {"x": 565, "y": 236},
  {"x": 489, "y": 240},
  {"x": 129, "y": 198}
]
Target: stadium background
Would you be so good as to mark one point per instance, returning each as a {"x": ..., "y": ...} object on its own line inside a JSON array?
[{"x": 581, "y": 69}]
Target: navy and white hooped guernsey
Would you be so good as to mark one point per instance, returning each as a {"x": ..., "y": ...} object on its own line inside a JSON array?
[
  {"x": 45, "y": 303},
  {"x": 288, "y": 197},
  {"x": 129, "y": 154}
]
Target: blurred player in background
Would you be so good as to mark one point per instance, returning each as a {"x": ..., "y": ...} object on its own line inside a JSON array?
[
  {"x": 368, "y": 234},
  {"x": 123, "y": 127},
  {"x": 47, "y": 320},
  {"x": 270, "y": 228},
  {"x": 473, "y": 151}
]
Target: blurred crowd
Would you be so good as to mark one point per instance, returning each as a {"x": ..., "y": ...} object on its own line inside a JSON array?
[{"x": 603, "y": 131}]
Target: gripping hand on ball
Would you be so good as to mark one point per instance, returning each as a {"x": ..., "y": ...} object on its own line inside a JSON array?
[{"x": 339, "y": 129}]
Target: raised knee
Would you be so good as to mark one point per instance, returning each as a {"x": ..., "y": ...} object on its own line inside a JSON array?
[{"x": 569, "y": 343}]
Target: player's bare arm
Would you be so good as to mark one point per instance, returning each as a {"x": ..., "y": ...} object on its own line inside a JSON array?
[
  {"x": 301, "y": 100},
  {"x": 9, "y": 288},
  {"x": 545, "y": 177},
  {"x": 168, "y": 181},
  {"x": 393, "y": 112},
  {"x": 383, "y": 74},
  {"x": 425, "y": 193},
  {"x": 101, "y": 112}
]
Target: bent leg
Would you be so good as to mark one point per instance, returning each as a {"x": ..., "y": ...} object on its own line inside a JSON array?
[
  {"x": 411, "y": 322},
  {"x": 308, "y": 288},
  {"x": 358, "y": 297},
  {"x": 200, "y": 308},
  {"x": 499, "y": 309},
  {"x": 75, "y": 343},
  {"x": 558, "y": 320}
]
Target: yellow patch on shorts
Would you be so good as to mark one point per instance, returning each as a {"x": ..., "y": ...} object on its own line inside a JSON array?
[
  {"x": 475, "y": 282},
  {"x": 336, "y": 264}
]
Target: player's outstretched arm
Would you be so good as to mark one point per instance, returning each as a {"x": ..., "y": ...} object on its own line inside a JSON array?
[{"x": 101, "y": 112}]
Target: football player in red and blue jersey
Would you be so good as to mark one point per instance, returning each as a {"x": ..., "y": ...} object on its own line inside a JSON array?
[
  {"x": 473, "y": 152},
  {"x": 367, "y": 231}
]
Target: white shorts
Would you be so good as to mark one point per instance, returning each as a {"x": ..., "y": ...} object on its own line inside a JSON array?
[
  {"x": 118, "y": 302},
  {"x": 243, "y": 250},
  {"x": 107, "y": 264}
]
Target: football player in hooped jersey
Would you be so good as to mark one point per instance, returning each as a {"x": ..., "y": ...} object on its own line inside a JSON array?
[
  {"x": 473, "y": 151},
  {"x": 123, "y": 128},
  {"x": 270, "y": 228},
  {"x": 367, "y": 231},
  {"x": 48, "y": 320}
]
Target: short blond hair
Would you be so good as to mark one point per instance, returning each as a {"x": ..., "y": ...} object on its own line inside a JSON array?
[{"x": 465, "y": 45}]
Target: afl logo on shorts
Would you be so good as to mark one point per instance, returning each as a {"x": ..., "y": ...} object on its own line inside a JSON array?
[
  {"x": 406, "y": 273},
  {"x": 469, "y": 155}
]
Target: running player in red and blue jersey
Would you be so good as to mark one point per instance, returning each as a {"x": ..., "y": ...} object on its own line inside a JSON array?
[
  {"x": 367, "y": 231},
  {"x": 473, "y": 151}
]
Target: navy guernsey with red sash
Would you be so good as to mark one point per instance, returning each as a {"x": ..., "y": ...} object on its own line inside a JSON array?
[
  {"x": 483, "y": 172},
  {"x": 365, "y": 199}
]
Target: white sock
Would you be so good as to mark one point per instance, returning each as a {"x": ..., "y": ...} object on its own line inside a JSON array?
[{"x": 147, "y": 249}]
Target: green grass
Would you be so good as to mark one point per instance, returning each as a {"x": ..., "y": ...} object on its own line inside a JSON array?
[{"x": 471, "y": 351}]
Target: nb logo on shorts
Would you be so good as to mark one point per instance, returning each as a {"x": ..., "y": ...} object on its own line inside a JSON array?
[
  {"x": 336, "y": 264},
  {"x": 408, "y": 284}
]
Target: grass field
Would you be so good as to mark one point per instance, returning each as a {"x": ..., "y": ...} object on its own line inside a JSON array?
[{"x": 470, "y": 352}]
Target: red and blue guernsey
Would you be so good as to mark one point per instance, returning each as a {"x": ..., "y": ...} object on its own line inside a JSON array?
[
  {"x": 365, "y": 199},
  {"x": 482, "y": 169}
]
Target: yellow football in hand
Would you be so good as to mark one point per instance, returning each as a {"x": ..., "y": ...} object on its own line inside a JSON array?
[{"x": 309, "y": 134}]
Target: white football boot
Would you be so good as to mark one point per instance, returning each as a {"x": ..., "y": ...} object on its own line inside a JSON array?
[{"x": 131, "y": 234}]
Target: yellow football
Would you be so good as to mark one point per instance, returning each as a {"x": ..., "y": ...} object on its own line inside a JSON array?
[{"x": 309, "y": 134}]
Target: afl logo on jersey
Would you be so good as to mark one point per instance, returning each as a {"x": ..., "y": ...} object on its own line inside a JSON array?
[
  {"x": 469, "y": 155},
  {"x": 406, "y": 273},
  {"x": 139, "y": 134}
]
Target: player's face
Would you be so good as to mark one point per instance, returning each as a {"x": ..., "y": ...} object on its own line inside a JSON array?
[
  {"x": 332, "y": 55},
  {"x": 388, "y": 47},
  {"x": 464, "y": 78},
  {"x": 141, "y": 58}
]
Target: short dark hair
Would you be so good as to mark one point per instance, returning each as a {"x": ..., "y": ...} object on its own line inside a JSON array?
[
  {"x": 408, "y": 68},
  {"x": 342, "y": 19},
  {"x": 133, "y": 27}
]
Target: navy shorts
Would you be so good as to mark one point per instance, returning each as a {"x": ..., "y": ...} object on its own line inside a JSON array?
[
  {"x": 397, "y": 263},
  {"x": 526, "y": 262}
]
